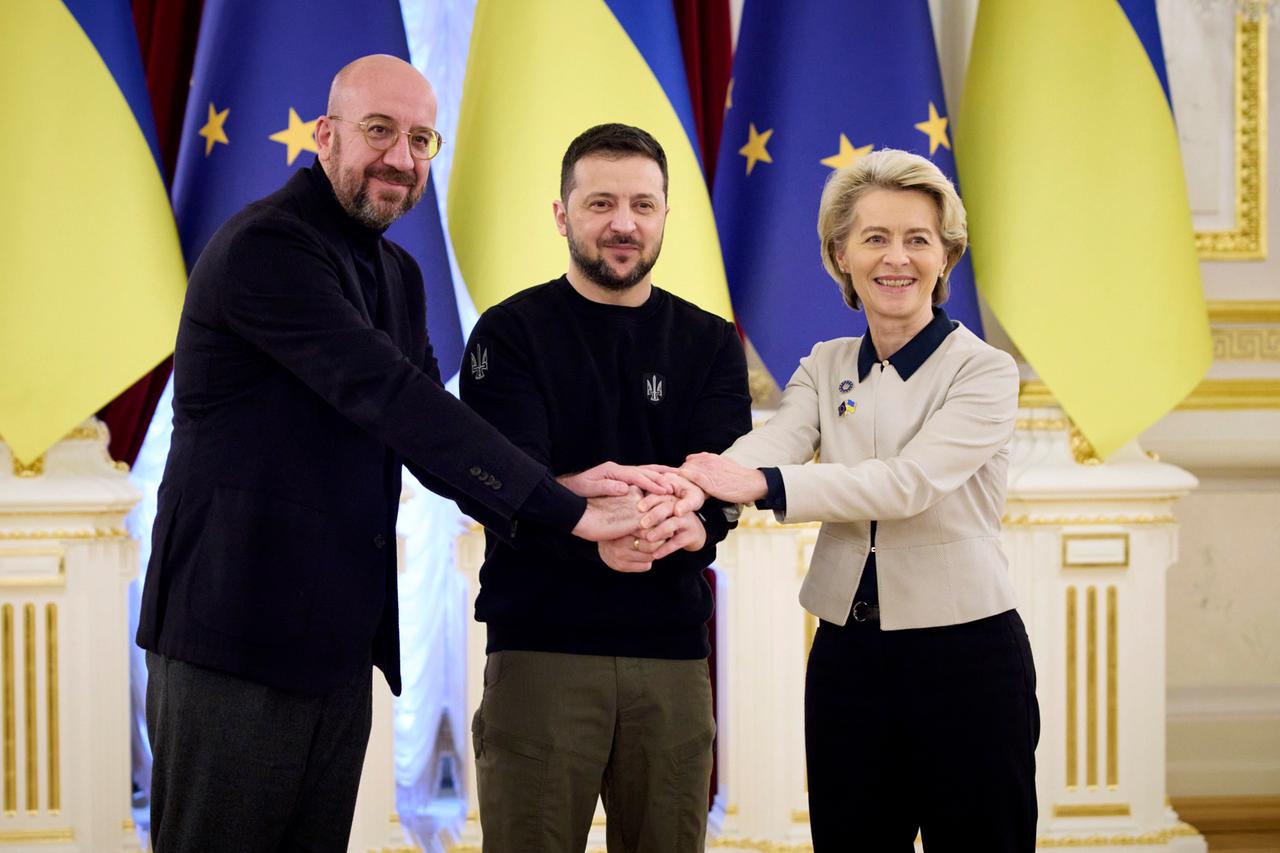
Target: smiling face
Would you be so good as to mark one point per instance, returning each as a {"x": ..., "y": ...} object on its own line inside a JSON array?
[
  {"x": 376, "y": 187},
  {"x": 894, "y": 256},
  {"x": 614, "y": 218}
]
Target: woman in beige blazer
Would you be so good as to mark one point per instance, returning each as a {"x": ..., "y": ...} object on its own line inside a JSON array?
[{"x": 920, "y": 709}]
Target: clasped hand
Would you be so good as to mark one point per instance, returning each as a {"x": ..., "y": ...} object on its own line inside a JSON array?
[{"x": 638, "y": 513}]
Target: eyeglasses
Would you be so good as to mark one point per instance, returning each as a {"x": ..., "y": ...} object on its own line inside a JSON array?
[{"x": 424, "y": 142}]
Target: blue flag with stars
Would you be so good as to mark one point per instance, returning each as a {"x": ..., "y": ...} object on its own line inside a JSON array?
[
  {"x": 816, "y": 86},
  {"x": 261, "y": 79}
]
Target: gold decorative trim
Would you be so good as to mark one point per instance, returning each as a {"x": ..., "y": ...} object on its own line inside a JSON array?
[
  {"x": 1244, "y": 312},
  {"x": 37, "y": 836},
  {"x": 761, "y": 386},
  {"x": 56, "y": 580},
  {"x": 1073, "y": 678},
  {"x": 1210, "y": 394},
  {"x": 100, "y": 533},
  {"x": 29, "y": 705},
  {"x": 1246, "y": 343},
  {"x": 1091, "y": 687},
  {"x": 35, "y": 468},
  {"x": 51, "y": 677},
  {"x": 1092, "y": 810},
  {"x": 1233, "y": 395},
  {"x": 764, "y": 520},
  {"x": 1113, "y": 687},
  {"x": 1068, "y": 538},
  {"x": 1248, "y": 239},
  {"x": 405, "y": 848},
  {"x": 10, "y": 714},
  {"x": 1023, "y": 520},
  {"x": 1081, "y": 448},
  {"x": 1159, "y": 836},
  {"x": 761, "y": 845},
  {"x": 94, "y": 430},
  {"x": 1041, "y": 424}
]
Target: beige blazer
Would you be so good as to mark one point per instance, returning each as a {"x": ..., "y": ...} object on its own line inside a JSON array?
[{"x": 926, "y": 458}]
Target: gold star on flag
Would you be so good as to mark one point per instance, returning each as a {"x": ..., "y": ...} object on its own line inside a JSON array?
[
  {"x": 936, "y": 128},
  {"x": 213, "y": 130},
  {"x": 755, "y": 150},
  {"x": 847, "y": 156},
  {"x": 299, "y": 136}
]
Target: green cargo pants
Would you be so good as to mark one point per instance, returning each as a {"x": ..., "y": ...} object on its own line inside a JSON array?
[{"x": 554, "y": 731}]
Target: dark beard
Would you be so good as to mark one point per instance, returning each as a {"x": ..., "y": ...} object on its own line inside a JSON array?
[
  {"x": 599, "y": 273},
  {"x": 360, "y": 207}
]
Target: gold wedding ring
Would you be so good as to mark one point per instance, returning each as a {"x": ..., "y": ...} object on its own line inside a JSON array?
[{"x": 635, "y": 544}]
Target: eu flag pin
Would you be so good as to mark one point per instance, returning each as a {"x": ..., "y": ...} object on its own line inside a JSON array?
[{"x": 847, "y": 408}]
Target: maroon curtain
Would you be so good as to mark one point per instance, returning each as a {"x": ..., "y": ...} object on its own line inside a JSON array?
[
  {"x": 167, "y": 31},
  {"x": 707, "y": 43}
]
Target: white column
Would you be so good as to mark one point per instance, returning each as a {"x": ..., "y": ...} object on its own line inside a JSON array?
[
  {"x": 1089, "y": 543},
  {"x": 65, "y": 565}
]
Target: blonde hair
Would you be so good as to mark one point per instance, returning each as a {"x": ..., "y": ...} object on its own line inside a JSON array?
[{"x": 888, "y": 169}]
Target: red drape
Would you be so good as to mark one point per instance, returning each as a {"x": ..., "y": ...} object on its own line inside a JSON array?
[
  {"x": 167, "y": 31},
  {"x": 707, "y": 43}
]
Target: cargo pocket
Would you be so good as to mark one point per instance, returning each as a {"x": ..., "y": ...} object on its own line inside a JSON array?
[{"x": 511, "y": 782}]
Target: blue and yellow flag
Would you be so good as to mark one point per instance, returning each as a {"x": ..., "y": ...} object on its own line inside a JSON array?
[
  {"x": 261, "y": 79},
  {"x": 1078, "y": 212},
  {"x": 538, "y": 74},
  {"x": 91, "y": 278},
  {"x": 816, "y": 86}
]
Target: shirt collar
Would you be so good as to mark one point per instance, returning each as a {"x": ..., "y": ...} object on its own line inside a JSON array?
[{"x": 914, "y": 353}]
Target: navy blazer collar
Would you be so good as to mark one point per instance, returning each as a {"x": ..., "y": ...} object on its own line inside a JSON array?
[{"x": 914, "y": 353}]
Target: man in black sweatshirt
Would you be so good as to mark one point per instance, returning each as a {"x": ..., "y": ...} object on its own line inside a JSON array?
[{"x": 596, "y": 680}]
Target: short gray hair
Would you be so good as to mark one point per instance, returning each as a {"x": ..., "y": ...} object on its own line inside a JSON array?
[{"x": 888, "y": 169}]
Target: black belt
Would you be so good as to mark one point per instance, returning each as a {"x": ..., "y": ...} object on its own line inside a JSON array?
[{"x": 863, "y": 612}]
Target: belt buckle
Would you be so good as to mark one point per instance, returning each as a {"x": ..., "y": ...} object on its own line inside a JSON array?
[{"x": 862, "y": 612}]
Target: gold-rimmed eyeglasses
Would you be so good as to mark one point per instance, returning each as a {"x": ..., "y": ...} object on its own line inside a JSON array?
[{"x": 424, "y": 142}]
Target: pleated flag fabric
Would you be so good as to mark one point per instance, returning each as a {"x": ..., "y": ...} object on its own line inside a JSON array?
[
  {"x": 538, "y": 74},
  {"x": 91, "y": 274},
  {"x": 261, "y": 79},
  {"x": 816, "y": 86},
  {"x": 1078, "y": 216}
]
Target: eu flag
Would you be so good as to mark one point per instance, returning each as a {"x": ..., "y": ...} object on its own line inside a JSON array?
[
  {"x": 261, "y": 79},
  {"x": 815, "y": 86}
]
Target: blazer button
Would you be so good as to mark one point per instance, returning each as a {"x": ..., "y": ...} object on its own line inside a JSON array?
[
  {"x": 497, "y": 484},
  {"x": 475, "y": 471},
  {"x": 379, "y": 541}
]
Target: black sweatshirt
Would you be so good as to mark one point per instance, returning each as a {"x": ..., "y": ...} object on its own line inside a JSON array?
[{"x": 574, "y": 383}]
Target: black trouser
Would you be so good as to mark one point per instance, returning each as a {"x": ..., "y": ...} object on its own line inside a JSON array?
[
  {"x": 929, "y": 729},
  {"x": 243, "y": 767}
]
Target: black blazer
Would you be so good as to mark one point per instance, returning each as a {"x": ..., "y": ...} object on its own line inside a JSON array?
[{"x": 273, "y": 553}]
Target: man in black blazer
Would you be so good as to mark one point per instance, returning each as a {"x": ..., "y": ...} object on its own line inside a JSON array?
[{"x": 303, "y": 381}]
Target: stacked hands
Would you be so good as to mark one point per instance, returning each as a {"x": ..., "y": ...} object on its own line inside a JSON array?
[{"x": 640, "y": 513}]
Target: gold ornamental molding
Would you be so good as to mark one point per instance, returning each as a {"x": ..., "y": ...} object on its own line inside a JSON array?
[
  {"x": 1160, "y": 836},
  {"x": 1209, "y": 395},
  {"x": 1092, "y": 810},
  {"x": 99, "y": 533},
  {"x": 1245, "y": 331},
  {"x": 1247, "y": 240},
  {"x": 36, "y": 836},
  {"x": 1023, "y": 520}
]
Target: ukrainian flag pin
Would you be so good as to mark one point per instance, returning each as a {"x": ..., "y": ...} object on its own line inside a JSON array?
[{"x": 847, "y": 408}]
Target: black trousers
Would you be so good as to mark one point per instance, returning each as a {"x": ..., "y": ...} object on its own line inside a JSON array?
[
  {"x": 245, "y": 768},
  {"x": 931, "y": 730}
]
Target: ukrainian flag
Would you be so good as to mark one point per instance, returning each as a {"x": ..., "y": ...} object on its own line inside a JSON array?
[
  {"x": 1078, "y": 216},
  {"x": 93, "y": 278},
  {"x": 538, "y": 74}
]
